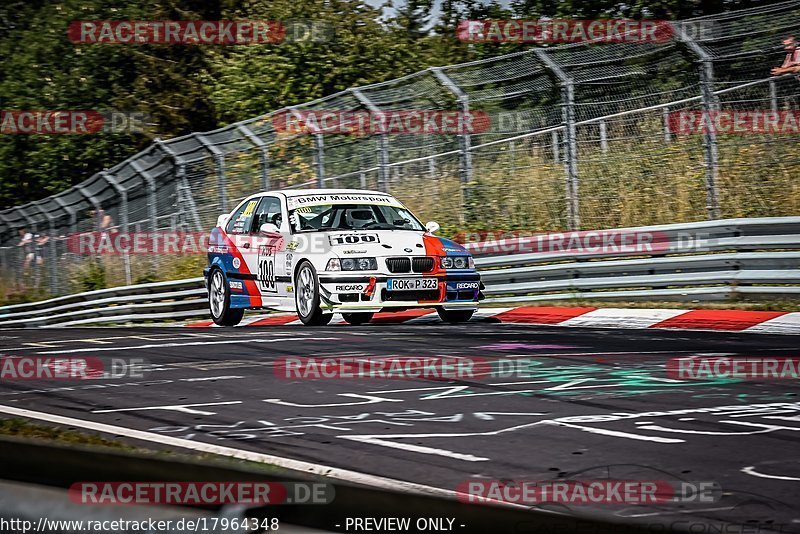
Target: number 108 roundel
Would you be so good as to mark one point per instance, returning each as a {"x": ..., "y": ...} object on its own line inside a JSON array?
[{"x": 323, "y": 251}]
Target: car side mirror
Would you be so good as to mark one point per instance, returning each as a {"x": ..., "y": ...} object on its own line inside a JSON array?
[
  {"x": 222, "y": 220},
  {"x": 432, "y": 227},
  {"x": 269, "y": 228}
]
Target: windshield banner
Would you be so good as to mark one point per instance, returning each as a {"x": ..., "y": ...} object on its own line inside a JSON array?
[{"x": 316, "y": 200}]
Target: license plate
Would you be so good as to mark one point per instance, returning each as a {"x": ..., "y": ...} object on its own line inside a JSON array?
[{"x": 411, "y": 284}]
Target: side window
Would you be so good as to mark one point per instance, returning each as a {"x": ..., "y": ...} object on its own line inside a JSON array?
[
  {"x": 269, "y": 211},
  {"x": 241, "y": 220}
]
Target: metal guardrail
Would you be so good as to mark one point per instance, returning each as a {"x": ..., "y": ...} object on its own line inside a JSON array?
[
  {"x": 28, "y": 460},
  {"x": 710, "y": 260}
]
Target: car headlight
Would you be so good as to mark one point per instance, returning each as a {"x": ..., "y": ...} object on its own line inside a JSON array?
[
  {"x": 457, "y": 262},
  {"x": 359, "y": 264}
]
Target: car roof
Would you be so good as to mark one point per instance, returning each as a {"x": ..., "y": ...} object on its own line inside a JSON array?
[{"x": 301, "y": 192}]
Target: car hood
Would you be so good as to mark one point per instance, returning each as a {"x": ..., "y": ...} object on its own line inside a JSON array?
[{"x": 390, "y": 243}]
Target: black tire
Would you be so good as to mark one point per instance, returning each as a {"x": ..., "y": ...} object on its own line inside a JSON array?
[
  {"x": 454, "y": 316},
  {"x": 356, "y": 319},
  {"x": 221, "y": 311},
  {"x": 306, "y": 297}
]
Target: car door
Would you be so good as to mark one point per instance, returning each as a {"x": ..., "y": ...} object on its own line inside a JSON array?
[{"x": 268, "y": 251}]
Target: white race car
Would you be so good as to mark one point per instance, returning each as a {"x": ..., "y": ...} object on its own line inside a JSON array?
[{"x": 325, "y": 251}]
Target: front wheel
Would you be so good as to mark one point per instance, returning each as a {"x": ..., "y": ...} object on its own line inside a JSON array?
[
  {"x": 219, "y": 301},
  {"x": 454, "y": 316},
  {"x": 356, "y": 319},
  {"x": 306, "y": 297}
]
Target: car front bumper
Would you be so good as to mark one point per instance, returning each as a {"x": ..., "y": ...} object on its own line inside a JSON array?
[{"x": 357, "y": 292}]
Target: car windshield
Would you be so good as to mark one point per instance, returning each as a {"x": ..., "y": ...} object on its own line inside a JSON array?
[{"x": 326, "y": 217}]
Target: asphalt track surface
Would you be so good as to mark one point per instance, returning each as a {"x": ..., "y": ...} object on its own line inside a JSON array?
[{"x": 554, "y": 420}]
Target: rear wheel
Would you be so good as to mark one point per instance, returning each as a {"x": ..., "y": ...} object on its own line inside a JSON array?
[
  {"x": 219, "y": 301},
  {"x": 356, "y": 319},
  {"x": 454, "y": 316},
  {"x": 306, "y": 297}
]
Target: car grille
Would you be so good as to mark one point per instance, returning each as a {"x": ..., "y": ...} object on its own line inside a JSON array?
[
  {"x": 398, "y": 265},
  {"x": 417, "y": 264},
  {"x": 422, "y": 264}
]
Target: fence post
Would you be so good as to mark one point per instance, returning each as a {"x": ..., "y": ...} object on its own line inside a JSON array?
[
  {"x": 152, "y": 207},
  {"x": 570, "y": 138},
  {"x": 319, "y": 159},
  {"x": 152, "y": 211},
  {"x": 51, "y": 248},
  {"x": 94, "y": 202},
  {"x": 555, "y": 144},
  {"x": 72, "y": 212},
  {"x": 33, "y": 229},
  {"x": 603, "y": 137},
  {"x": 464, "y": 140},
  {"x": 53, "y": 252},
  {"x": 263, "y": 154},
  {"x": 123, "y": 218},
  {"x": 219, "y": 159},
  {"x": 773, "y": 96},
  {"x": 667, "y": 131},
  {"x": 180, "y": 177},
  {"x": 710, "y": 146},
  {"x": 382, "y": 145}
]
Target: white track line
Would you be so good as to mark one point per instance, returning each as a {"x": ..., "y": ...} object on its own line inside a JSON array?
[{"x": 286, "y": 463}]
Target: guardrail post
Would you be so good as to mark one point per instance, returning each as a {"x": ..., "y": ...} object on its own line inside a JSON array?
[
  {"x": 382, "y": 146},
  {"x": 710, "y": 146},
  {"x": 570, "y": 138},
  {"x": 263, "y": 154},
  {"x": 123, "y": 218},
  {"x": 219, "y": 159},
  {"x": 464, "y": 140}
]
